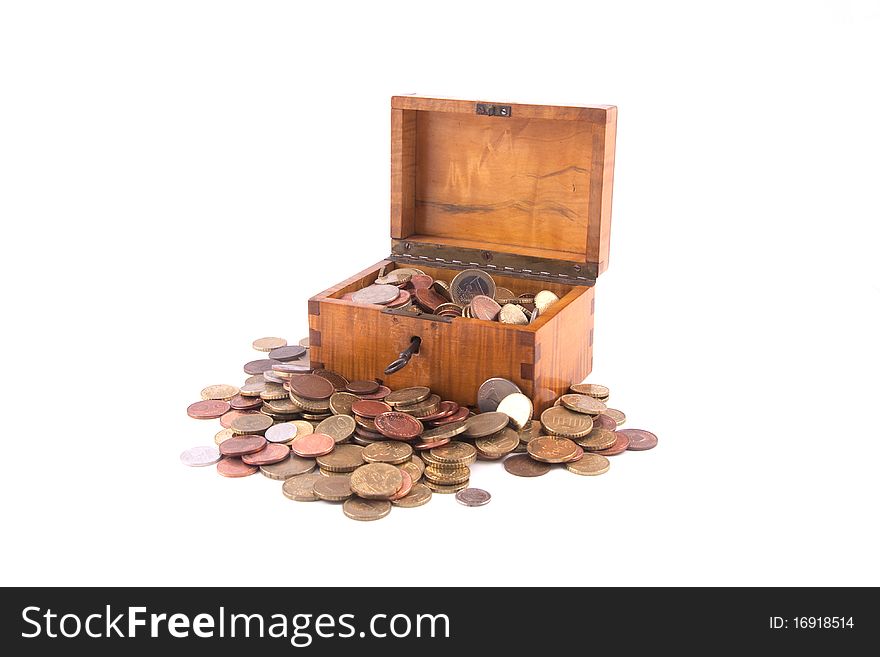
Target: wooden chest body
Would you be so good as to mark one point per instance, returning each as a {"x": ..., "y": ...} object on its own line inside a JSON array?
[{"x": 522, "y": 192}]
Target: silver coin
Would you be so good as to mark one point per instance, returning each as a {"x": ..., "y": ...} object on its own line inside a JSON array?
[
  {"x": 493, "y": 391},
  {"x": 472, "y": 497},
  {"x": 198, "y": 457},
  {"x": 376, "y": 294},
  {"x": 518, "y": 408},
  {"x": 471, "y": 283},
  {"x": 534, "y": 315},
  {"x": 281, "y": 433}
]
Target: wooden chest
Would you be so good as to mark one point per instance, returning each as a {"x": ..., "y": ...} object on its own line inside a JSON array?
[{"x": 522, "y": 192}]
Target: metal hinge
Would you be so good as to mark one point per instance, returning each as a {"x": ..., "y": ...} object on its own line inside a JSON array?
[{"x": 485, "y": 109}]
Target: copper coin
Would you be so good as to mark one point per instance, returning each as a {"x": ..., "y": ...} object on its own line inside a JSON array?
[
  {"x": 402, "y": 299},
  {"x": 428, "y": 445},
  {"x": 552, "y": 449},
  {"x": 485, "y": 308},
  {"x": 240, "y": 403},
  {"x": 405, "y": 487},
  {"x": 241, "y": 445},
  {"x": 523, "y": 465},
  {"x": 639, "y": 439},
  {"x": 259, "y": 366},
  {"x": 619, "y": 447},
  {"x": 399, "y": 426},
  {"x": 369, "y": 408},
  {"x": 227, "y": 419},
  {"x": 362, "y": 387},
  {"x": 603, "y": 421},
  {"x": 273, "y": 453},
  {"x": 208, "y": 409},
  {"x": 268, "y": 344},
  {"x": 428, "y": 299},
  {"x": 235, "y": 467},
  {"x": 311, "y": 386},
  {"x": 447, "y": 408},
  {"x": 381, "y": 393},
  {"x": 366, "y": 423},
  {"x": 220, "y": 391},
  {"x": 419, "y": 495},
  {"x": 339, "y": 382},
  {"x": 333, "y": 489},
  {"x": 253, "y": 424},
  {"x": 370, "y": 435},
  {"x": 459, "y": 415},
  {"x": 312, "y": 445},
  {"x": 421, "y": 281},
  {"x": 290, "y": 467},
  {"x": 578, "y": 455}
]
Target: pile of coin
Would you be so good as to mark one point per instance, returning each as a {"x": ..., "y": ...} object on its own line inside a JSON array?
[
  {"x": 472, "y": 293},
  {"x": 370, "y": 448}
]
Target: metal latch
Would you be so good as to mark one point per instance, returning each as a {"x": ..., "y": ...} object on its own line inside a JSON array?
[
  {"x": 485, "y": 109},
  {"x": 405, "y": 355}
]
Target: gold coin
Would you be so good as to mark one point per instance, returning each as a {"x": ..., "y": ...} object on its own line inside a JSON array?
[
  {"x": 256, "y": 378},
  {"x": 303, "y": 428},
  {"x": 396, "y": 277},
  {"x": 365, "y": 510},
  {"x": 498, "y": 444},
  {"x": 223, "y": 434},
  {"x": 597, "y": 439},
  {"x": 544, "y": 299},
  {"x": 589, "y": 464},
  {"x": 282, "y": 406},
  {"x": 591, "y": 389},
  {"x": 376, "y": 480},
  {"x": 268, "y": 344},
  {"x": 583, "y": 404},
  {"x": 335, "y": 488},
  {"x": 273, "y": 391},
  {"x": 422, "y": 409},
  {"x": 445, "y": 489},
  {"x": 439, "y": 465},
  {"x": 447, "y": 477},
  {"x": 451, "y": 308},
  {"x": 504, "y": 293},
  {"x": 454, "y": 452},
  {"x": 518, "y": 408},
  {"x": 219, "y": 392},
  {"x": 292, "y": 466},
  {"x": 407, "y": 396},
  {"x": 340, "y": 403},
  {"x": 387, "y": 451},
  {"x": 419, "y": 462},
  {"x": 529, "y": 432},
  {"x": 615, "y": 415},
  {"x": 253, "y": 424},
  {"x": 419, "y": 495},
  {"x": 485, "y": 424},
  {"x": 343, "y": 458},
  {"x": 253, "y": 389},
  {"x": 512, "y": 314},
  {"x": 443, "y": 431},
  {"x": 339, "y": 427},
  {"x": 301, "y": 487},
  {"x": 308, "y": 405},
  {"x": 552, "y": 449},
  {"x": 315, "y": 417},
  {"x": 560, "y": 421},
  {"x": 413, "y": 470}
]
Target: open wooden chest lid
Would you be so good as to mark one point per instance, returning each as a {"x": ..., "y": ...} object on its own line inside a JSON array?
[{"x": 523, "y": 189}]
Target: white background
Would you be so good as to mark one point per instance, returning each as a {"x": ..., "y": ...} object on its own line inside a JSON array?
[{"x": 177, "y": 178}]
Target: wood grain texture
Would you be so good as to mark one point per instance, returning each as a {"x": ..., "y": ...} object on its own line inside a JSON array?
[
  {"x": 519, "y": 110},
  {"x": 403, "y": 186}
]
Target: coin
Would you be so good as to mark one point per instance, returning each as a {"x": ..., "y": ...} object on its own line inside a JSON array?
[
  {"x": 591, "y": 389},
  {"x": 405, "y": 487},
  {"x": 290, "y": 467},
  {"x": 303, "y": 428},
  {"x": 446, "y": 409},
  {"x": 381, "y": 393},
  {"x": 503, "y": 293},
  {"x": 208, "y": 409},
  {"x": 639, "y": 439},
  {"x": 498, "y": 444},
  {"x": 376, "y": 480},
  {"x": 471, "y": 283},
  {"x": 366, "y": 423},
  {"x": 447, "y": 476},
  {"x": 529, "y": 432},
  {"x": 485, "y": 308},
  {"x": 240, "y": 445},
  {"x": 421, "y": 409},
  {"x": 455, "y": 452},
  {"x": 341, "y": 402},
  {"x": 197, "y": 457},
  {"x": 395, "y": 277},
  {"x": 398, "y": 426},
  {"x": 311, "y": 387},
  {"x": 408, "y": 396},
  {"x": 422, "y": 445},
  {"x": 268, "y": 344},
  {"x": 254, "y": 389},
  {"x": 428, "y": 299},
  {"x": 240, "y": 403},
  {"x": 271, "y": 454},
  {"x": 253, "y": 424},
  {"x": 312, "y": 445},
  {"x": 518, "y": 408},
  {"x": 597, "y": 439},
  {"x": 362, "y": 387},
  {"x": 485, "y": 424},
  {"x": 259, "y": 366},
  {"x": 577, "y": 455},
  {"x": 340, "y": 427},
  {"x": 618, "y": 416},
  {"x": 281, "y": 407},
  {"x": 472, "y": 497},
  {"x": 321, "y": 407},
  {"x": 220, "y": 392},
  {"x": 414, "y": 471},
  {"x": 333, "y": 489},
  {"x": 590, "y": 464},
  {"x": 621, "y": 442},
  {"x": 493, "y": 391},
  {"x": 234, "y": 468},
  {"x": 301, "y": 487},
  {"x": 369, "y": 408},
  {"x": 445, "y": 489},
  {"x": 544, "y": 299},
  {"x": 442, "y": 288},
  {"x": 376, "y": 294},
  {"x": 513, "y": 314},
  {"x": 563, "y": 422},
  {"x": 603, "y": 421},
  {"x": 273, "y": 392},
  {"x": 344, "y": 458},
  {"x": 255, "y": 378},
  {"x": 403, "y": 300},
  {"x": 302, "y": 366},
  {"x": 281, "y": 433},
  {"x": 227, "y": 419},
  {"x": 366, "y": 510},
  {"x": 339, "y": 382},
  {"x": 287, "y": 353},
  {"x": 418, "y": 495},
  {"x": 458, "y": 416},
  {"x": 552, "y": 449},
  {"x": 523, "y": 465},
  {"x": 223, "y": 435},
  {"x": 583, "y": 404},
  {"x": 387, "y": 451}
]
